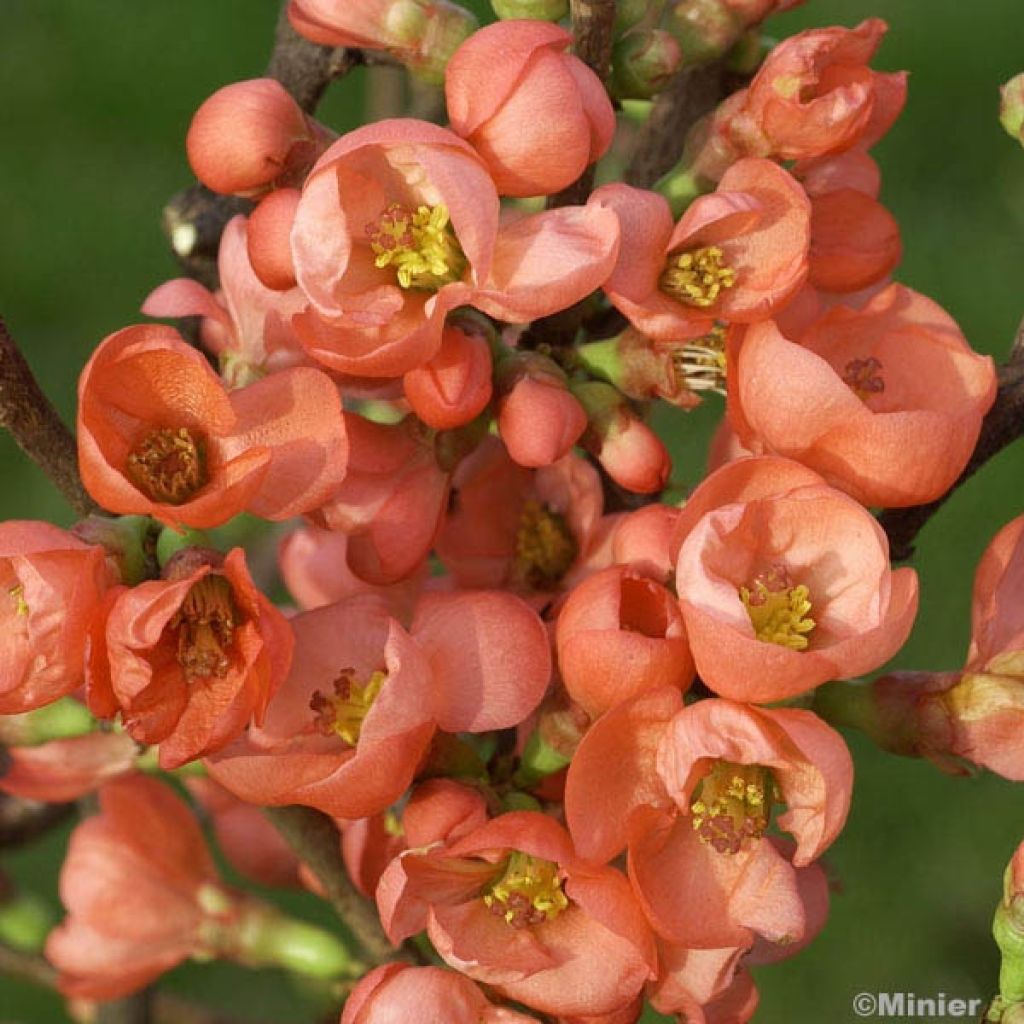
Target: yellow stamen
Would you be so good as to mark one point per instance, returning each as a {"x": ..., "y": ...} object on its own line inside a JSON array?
[
  {"x": 700, "y": 365},
  {"x": 864, "y": 378},
  {"x": 17, "y": 593},
  {"x": 343, "y": 713},
  {"x": 697, "y": 276},
  {"x": 529, "y": 892},
  {"x": 206, "y": 625},
  {"x": 420, "y": 245},
  {"x": 778, "y": 610},
  {"x": 545, "y": 546},
  {"x": 167, "y": 465},
  {"x": 732, "y": 805}
]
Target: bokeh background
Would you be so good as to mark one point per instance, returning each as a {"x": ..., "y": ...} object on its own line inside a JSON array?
[{"x": 95, "y": 99}]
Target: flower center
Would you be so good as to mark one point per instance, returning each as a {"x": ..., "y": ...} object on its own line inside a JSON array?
[
  {"x": 778, "y": 609},
  {"x": 545, "y": 546},
  {"x": 697, "y": 276},
  {"x": 17, "y": 593},
  {"x": 343, "y": 712},
  {"x": 700, "y": 365},
  {"x": 529, "y": 892},
  {"x": 863, "y": 377},
  {"x": 733, "y": 804},
  {"x": 206, "y": 625},
  {"x": 420, "y": 245},
  {"x": 167, "y": 465}
]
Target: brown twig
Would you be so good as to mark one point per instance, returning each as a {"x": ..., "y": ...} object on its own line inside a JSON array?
[
  {"x": 21, "y": 821},
  {"x": 314, "y": 840},
  {"x": 33, "y": 422},
  {"x": 692, "y": 93},
  {"x": 1003, "y": 424}
]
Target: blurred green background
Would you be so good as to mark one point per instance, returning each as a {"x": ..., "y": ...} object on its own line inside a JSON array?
[{"x": 96, "y": 98}]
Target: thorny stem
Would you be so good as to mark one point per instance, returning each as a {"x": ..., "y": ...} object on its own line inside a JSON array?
[{"x": 33, "y": 422}]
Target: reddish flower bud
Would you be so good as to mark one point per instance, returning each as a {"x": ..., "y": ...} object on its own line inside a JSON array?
[
  {"x": 268, "y": 238},
  {"x": 643, "y": 62},
  {"x": 535, "y": 114},
  {"x": 250, "y": 136}
]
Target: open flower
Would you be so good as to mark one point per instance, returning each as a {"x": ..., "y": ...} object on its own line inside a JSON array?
[
  {"x": 188, "y": 661},
  {"x": 511, "y": 905},
  {"x": 159, "y": 435},
  {"x": 886, "y": 402},
  {"x": 785, "y": 583},
  {"x": 399, "y": 223},
  {"x": 736, "y": 255},
  {"x": 347, "y": 730}
]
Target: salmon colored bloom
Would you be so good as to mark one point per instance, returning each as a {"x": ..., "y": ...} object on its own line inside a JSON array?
[
  {"x": 245, "y": 325},
  {"x": 368, "y": 845},
  {"x": 785, "y": 583},
  {"x": 536, "y": 114},
  {"x": 511, "y": 905},
  {"x": 133, "y": 882},
  {"x": 267, "y": 238},
  {"x": 690, "y": 791},
  {"x": 399, "y": 224},
  {"x": 187, "y": 661},
  {"x": 391, "y": 502},
  {"x": 349, "y": 727},
  {"x": 886, "y": 402},
  {"x": 428, "y": 995},
  {"x": 252, "y": 136},
  {"x": 618, "y": 635},
  {"x": 642, "y": 540},
  {"x": 159, "y": 435},
  {"x": 51, "y": 587},
  {"x": 736, "y": 255},
  {"x": 513, "y": 527}
]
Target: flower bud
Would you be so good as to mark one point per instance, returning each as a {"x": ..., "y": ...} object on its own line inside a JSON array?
[
  {"x": 630, "y": 452},
  {"x": 1011, "y": 107},
  {"x": 643, "y": 62},
  {"x": 704, "y": 29},
  {"x": 127, "y": 540},
  {"x": 538, "y": 10},
  {"x": 250, "y": 136},
  {"x": 268, "y": 238},
  {"x": 447, "y": 28},
  {"x": 630, "y": 12},
  {"x": 538, "y": 419}
]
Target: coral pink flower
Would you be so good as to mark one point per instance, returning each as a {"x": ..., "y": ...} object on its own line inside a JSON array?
[
  {"x": 189, "y": 660},
  {"x": 52, "y": 586},
  {"x": 620, "y": 634},
  {"x": 117, "y": 936},
  {"x": 399, "y": 223},
  {"x": 348, "y": 729},
  {"x": 159, "y": 435},
  {"x": 737, "y": 254},
  {"x": 245, "y": 325},
  {"x": 885, "y": 402},
  {"x": 251, "y": 136},
  {"x": 368, "y": 845},
  {"x": 512, "y": 527},
  {"x": 428, "y": 995},
  {"x": 536, "y": 114},
  {"x": 642, "y": 540},
  {"x": 770, "y": 609},
  {"x": 391, "y": 502},
  {"x": 66, "y": 769},
  {"x": 314, "y": 566},
  {"x": 690, "y": 791},
  {"x": 814, "y": 95},
  {"x": 267, "y": 239},
  {"x": 510, "y": 905}
]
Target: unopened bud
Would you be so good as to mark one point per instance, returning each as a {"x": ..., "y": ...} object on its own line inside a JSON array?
[
  {"x": 268, "y": 238},
  {"x": 643, "y": 62},
  {"x": 538, "y": 10},
  {"x": 705, "y": 29},
  {"x": 447, "y": 28},
  {"x": 1011, "y": 107},
  {"x": 631, "y": 12},
  {"x": 128, "y": 541}
]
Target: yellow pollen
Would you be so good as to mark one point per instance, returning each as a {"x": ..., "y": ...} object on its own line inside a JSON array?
[
  {"x": 697, "y": 276},
  {"x": 863, "y": 377},
  {"x": 167, "y": 465},
  {"x": 700, "y": 365},
  {"x": 343, "y": 712},
  {"x": 206, "y": 625},
  {"x": 420, "y": 245},
  {"x": 528, "y": 893},
  {"x": 778, "y": 610},
  {"x": 732, "y": 805},
  {"x": 545, "y": 546},
  {"x": 17, "y": 593}
]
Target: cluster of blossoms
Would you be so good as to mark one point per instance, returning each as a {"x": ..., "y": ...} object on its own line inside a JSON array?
[{"x": 583, "y": 749}]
